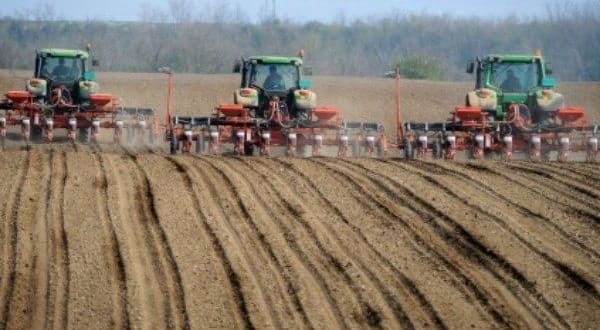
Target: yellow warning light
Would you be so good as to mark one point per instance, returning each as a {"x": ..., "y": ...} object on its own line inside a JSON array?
[{"x": 537, "y": 52}]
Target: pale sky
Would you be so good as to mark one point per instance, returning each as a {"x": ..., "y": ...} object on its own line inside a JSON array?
[{"x": 300, "y": 10}]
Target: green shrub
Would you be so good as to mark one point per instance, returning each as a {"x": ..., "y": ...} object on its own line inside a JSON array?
[{"x": 420, "y": 67}]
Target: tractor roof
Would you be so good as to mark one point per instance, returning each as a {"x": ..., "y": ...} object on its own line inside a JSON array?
[
  {"x": 58, "y": 52},
  {"x": 276, "y": 59},
  {"x": 513, "y": 58}
]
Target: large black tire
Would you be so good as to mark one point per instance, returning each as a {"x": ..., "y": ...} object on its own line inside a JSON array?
[{"x": 173, "y": 145}]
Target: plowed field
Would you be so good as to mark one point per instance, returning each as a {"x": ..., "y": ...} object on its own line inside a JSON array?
[
  {"x": 96, "y": 237},
  {"x": 118, "y": 239}
]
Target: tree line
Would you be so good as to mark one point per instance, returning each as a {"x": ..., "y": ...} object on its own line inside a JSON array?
[{"x": 568, "y": 34}]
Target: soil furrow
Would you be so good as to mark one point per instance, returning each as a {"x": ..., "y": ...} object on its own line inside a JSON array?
[
  {"x": 115, "y": 263},
  {"x": 588, "y": 219},
  {"x": 22, "y": 296},
  {"x": 147, "y": 296},
  {"x": 58, "y": 311},
  {"x": 573, "y": 172},
  {"x": 161, "y": 250},
  {"x": 381, "y": 276},
  {"x": 240, "y": 193},
  {"x": 482, "y": 222},
  {"x": 298, "y": 213},
  {"x": 567, "y": 271},
  {"x": 225, "y": 220},
  {"x": 255, "y": 205},
  {"x": 329, "y": 202},
  {"x": 542, "y": 222},
  {"x": 576, "y": 194},
  {"x": 233, "y": 278},
  {"x": 442, "y": 266},
  {"x": 41, "y": 281},
  {"x": 9, "y": 243},
  {"x": 453, "y": 237}
]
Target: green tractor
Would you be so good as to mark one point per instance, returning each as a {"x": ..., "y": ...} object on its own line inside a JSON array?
[
  {"x": 513, "y": 108},
  {"x": 274, "y": 106},
  {"x": 63, "y": 93}
]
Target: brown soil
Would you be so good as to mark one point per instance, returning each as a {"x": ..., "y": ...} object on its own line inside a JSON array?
[{"x": 103, "y": 237}]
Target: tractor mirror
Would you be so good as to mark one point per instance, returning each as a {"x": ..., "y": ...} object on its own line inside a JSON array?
[
  {"x": 305, "y": 83},
  {"x": 307, "y": 71},
  {"x": 237, "y": 67},
  {"x": 470, "y": 67},
  {"x": 89, "y": 76},
  {"x": 95, "y": 62},
  {"x": 548, "y": 68},
  {"x": 548, "y": 82}
]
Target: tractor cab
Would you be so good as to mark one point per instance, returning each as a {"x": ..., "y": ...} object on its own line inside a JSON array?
[
  {"x": 64, "y": 71},
  {"x": 266, "y": 80},
  {"x": 503, "y": 80}
]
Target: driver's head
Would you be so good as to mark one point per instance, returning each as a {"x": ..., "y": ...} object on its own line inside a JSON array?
[
  {"x": 510, "y": 74},
  {"x": 61, "y": 61},
  {"x": 273, "y": 69}
]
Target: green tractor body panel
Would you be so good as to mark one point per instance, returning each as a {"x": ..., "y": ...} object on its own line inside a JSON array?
[
  {"x": 55, "y": 67},
  {"x": 511, "y": 79},
  {"x": 266, "y": 77}
]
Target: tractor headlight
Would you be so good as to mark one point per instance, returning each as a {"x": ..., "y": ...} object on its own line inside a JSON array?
[
  {"x": 119, "y": 123},
  {"x": 188, "y": 133}
]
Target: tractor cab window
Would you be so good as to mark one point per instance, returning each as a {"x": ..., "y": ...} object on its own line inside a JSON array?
[
  {"x": 61, "y": 68},
  {"x": 274, "y": 76},
  {"x": 515, "y": 77}
]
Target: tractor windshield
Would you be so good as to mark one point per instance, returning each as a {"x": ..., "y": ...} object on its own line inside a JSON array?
[
  {"x": 61, "y": 68},
  {"x": 514, "y": 77},
  {"x": 274, "y": 76}
]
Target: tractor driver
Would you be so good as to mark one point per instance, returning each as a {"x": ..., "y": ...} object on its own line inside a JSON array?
[
  {"x": 511, "y": 83},
  {"x": 274, "y": 80},
  {"x": 61, "y": 70}
]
